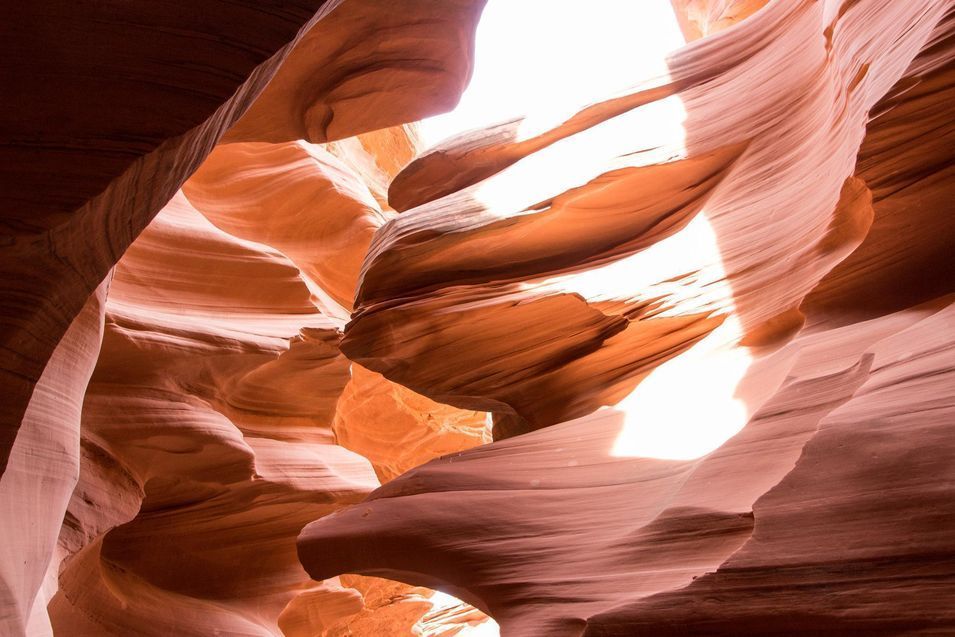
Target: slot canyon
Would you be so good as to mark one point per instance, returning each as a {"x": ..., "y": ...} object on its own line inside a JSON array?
[{"x": 477, "y": 318}]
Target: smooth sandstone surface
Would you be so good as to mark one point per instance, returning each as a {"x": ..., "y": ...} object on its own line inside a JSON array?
[
  {"x": 826, "y": 513},
  {"x": 121, "y": 101},
  {"x": 211, "y": 406},
  {"x": 678, "y": 363}
]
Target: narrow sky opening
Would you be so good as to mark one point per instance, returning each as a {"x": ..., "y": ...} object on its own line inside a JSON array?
[{"x": 545, "y": 58}]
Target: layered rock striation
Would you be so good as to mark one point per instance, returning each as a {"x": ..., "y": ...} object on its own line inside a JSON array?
[{"x": 678, "y": 362}]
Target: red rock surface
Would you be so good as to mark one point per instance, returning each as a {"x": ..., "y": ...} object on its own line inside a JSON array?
[
  {"x": 121, "y": 101},
  {"x": 677, "y": 363},
  {"x": 829, "y": 511}
]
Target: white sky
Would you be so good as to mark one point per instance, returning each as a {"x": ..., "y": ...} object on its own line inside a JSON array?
[
  {"x": 546, "y": 59},
  {"x": 542, "y": 57}
]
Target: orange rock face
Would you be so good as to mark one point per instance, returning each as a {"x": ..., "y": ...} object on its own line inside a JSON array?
[{"x": 677, "y": 362}]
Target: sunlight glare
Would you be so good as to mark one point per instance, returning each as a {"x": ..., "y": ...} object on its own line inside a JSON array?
[
  {"x": 441, "y": 602},
  {"x": 547, "y": 58},
  {"x": 687, "y": 407}
]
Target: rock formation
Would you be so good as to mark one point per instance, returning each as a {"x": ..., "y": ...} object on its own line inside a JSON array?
[{"x": 679, "y": 362}]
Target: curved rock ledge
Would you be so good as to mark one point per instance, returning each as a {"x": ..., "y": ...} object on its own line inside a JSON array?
[{"x": 677, "y": 362}]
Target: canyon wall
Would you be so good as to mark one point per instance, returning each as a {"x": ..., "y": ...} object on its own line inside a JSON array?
[{"x": 679, "y": 363}]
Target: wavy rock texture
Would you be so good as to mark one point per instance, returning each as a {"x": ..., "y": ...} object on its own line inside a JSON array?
[
  {"x": 181, "y": 402},
  {"x": 389, "y": 67},
  {"x": 42, "y": 472},
  {"x": 133, "y": 96},
  {"x": 211, "y": 406},
  {"x": 711, "y": 320},
  {"x": 637, "y": 204},
  {"x": 121, "y": 101},
  {"x": 907, "y": 161},
  {"x": 773, "y": 520},
  {"x": 822, "y": 187},
  {"x": 208, "y": 430}
]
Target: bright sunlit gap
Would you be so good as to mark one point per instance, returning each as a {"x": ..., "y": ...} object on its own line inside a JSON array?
[
  {"x": 545, "y": 60},
  {"x": 443, "y": 605}
]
